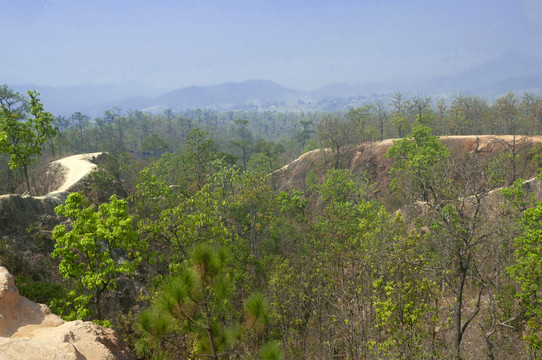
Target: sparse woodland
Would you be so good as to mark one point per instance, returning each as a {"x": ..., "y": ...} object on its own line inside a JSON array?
[{"x": 440, "y": 259}]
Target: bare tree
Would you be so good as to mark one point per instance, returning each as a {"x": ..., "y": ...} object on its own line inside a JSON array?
[{"x": 335, "y": 134}]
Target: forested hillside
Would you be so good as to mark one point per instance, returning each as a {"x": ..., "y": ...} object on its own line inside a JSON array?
[{"x": 400, "y": 230}]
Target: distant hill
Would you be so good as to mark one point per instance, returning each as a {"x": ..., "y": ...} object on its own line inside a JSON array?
[
  {"x": 227, "y": 96},
  {"x": 508, "y": 72},
  {"x": 504, "y": 67},
  {"x": 338, "y": 90},
  {"x": 66, "y": 100}
]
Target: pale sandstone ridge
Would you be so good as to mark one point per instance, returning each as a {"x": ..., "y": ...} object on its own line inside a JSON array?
[
  {"x": 494, "y": 204},
  {"x": 77, "y": 166},
  {"x": 369, "y": 156},
  {"x": 30, "y": 331},
  {"x": 18, "y": 212}
]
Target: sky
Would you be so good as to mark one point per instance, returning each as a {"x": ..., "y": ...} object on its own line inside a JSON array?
[{"x": 302, "y": 44}]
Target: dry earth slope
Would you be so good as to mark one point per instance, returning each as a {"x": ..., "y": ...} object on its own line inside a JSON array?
[
  {"x": 29, "y": 330},
  {"x": 18, "y": 212},
  {"x": 369, "y": 158}
]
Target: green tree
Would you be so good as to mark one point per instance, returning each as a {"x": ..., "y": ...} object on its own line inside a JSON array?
[
  {"x": 151, "y": 196},
  {"x": 252, "y": 209},
  {"x": 361, "y": 117},
  {"x": 335, "y": 134},
  {"x": 508, "y": 110},
  {"x": 244, "y": 140},
  {"x": 457, "y": 230},
  {"x": 527, "y": 272},
  {"x": 398, "y": 113},
  {"x": 531, "y": 113},
  {"x": 155, "y": 144},
  {"x": 349, "y": 241},
  {"x": 109, "y": 119},
  {"x": 81, "y": 122},
  {"x": 198, "y": 153},
  {"x": 265, "y": 155},
  {"x": 382, "y": 118},
  {"x": 24, "y": 135},
  {"x": 400, "y": 121},
  {"x": 193, "y": 221},
  {"x": 260, "y": 163},
  {"x": 120, "y": 122},
  {"x": 3, "y": 138},
  {"x": 100, "y": 246},
  {"x": 196, "y": 307},
  {"x": 169, "y": 116},
  {"x": 467, "y": 115},
  {"x": 13, "y": 100},
  {"x": 306, "y": 131},
  {"x": 509, "y": 113},
  {"x": 61, "y": 124},
  {"x": 420, "y": 162},
  {"x": 189, "y": 167},
  {"x": 341, "y": 185},
  {"x": 405, "y": 299},
  {"x": 422, "y": 107}
]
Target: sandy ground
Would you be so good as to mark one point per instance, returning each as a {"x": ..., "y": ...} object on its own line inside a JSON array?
[
  {"x": 30, "y": 331},
  {"x": 77, "y": 166}
]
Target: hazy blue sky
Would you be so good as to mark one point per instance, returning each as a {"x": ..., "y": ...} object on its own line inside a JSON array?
[{"x": 298, "y": 43}]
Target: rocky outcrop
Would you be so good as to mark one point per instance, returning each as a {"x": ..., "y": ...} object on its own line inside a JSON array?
[
  {"x": 18, "y": 212},
  {"x": 75, "y": 168},
  {"x": 369, "y": 159},
  {"x": 57, "y": 180},
  {"x": 493, "y": 207},
  {"x": 30, "y": 331}
]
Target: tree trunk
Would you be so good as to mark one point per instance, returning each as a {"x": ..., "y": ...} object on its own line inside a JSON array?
[
  {"x": 337, "y": 157},
  {"x": 458, "y": 336},
  {"x": 98, "y": 303},
  {"x": 212, "y": 343},
  {"x": 26, "y": 180},
  {"x": 244, "y": 159},
  {"x": 81, "y": 142},
  {"x": 120, "y": 145},
  {"x": 208, "y": 320}
]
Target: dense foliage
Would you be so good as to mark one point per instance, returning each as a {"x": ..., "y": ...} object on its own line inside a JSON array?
[
  {"x": 438, "y": 266},
  {"x": 24, "y": 128}
]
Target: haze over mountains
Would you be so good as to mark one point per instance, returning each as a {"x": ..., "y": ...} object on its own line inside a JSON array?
[{"x": 510, "y": 72}]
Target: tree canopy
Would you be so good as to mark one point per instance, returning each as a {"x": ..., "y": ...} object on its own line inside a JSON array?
[{"x": 24, "y": 128}]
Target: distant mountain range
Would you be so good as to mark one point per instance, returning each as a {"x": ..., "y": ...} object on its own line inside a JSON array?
[
  {"x": 247, "y": 94},
  {"x": 509, "y": 72},
  {"x": 66, "y": 100}
]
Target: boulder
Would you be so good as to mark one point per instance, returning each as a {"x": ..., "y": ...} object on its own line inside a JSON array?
[{"x": 30, "y": 331}]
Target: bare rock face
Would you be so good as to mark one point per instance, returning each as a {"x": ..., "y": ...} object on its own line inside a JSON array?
[
  {"x": 30, "y": 331},
  {"x": 369, "y": 159},
  {"x": 18, "y": 212}
]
